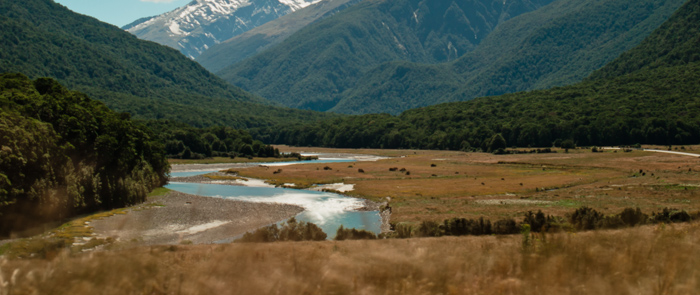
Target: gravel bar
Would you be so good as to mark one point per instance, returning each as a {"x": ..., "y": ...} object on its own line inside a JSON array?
[{"x": 183, "y": 218}]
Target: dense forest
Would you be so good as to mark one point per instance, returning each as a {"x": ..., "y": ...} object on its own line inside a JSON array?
[
  {"x": 40, "y": 38},
  {"x": 657, "y": 101},
  {"x": 186, "y": 142},
  {"x": 63, "y": 153}
]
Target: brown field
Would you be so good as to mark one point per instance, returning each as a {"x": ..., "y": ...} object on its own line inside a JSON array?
[
  {"x": 478, "y": 184},
  {"x": 660, "y": 259}
]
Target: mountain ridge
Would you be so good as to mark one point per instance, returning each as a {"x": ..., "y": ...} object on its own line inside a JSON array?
[
  {"x": 40, "y": 38},
  {"x": 311, "y": 68},
  {"x": 267, "y": 35},
  {"x": 200, "y": 24},
  {"x": 511, "y": 59}
]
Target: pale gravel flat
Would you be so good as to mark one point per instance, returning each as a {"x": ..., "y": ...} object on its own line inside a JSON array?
[{"x": 189, "y": 218}]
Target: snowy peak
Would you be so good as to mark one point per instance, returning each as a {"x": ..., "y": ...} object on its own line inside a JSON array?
[{"x": 195, "y": 27}]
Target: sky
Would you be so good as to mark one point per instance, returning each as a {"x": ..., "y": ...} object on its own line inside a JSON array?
[{"x": 121, "y": 12}]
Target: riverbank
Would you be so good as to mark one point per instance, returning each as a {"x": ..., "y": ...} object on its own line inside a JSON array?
[{"x": 178, "y": 218}]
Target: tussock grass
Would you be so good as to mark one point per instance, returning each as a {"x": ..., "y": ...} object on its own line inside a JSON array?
[{"x": 662, "y": 259}]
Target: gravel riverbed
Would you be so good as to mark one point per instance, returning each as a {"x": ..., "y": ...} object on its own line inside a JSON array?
[{"x": 182, "y": 218}]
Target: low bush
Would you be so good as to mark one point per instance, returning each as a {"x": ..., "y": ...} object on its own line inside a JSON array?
[
  {"x": 353, "y": 234},
  {"x": 292, "y": 230}
]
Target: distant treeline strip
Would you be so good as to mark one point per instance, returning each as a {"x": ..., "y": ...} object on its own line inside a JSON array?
[
  {"x": 186, "y": 142},
  {"x": 582, "y": 219},
  {"x": 62, "y": 154}
]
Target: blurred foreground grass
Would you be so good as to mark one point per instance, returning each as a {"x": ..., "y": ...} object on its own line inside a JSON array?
[{"x": 661, "y": 259}]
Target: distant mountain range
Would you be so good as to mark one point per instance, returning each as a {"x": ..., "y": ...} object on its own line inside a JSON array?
[
  {"x": 40, "y": 38},
  {"x": 391, "y": 56},
  {"x": 201, "y": 24},
  {"x": 648, "y": 95},
  {"x": 314, "y": 67}
]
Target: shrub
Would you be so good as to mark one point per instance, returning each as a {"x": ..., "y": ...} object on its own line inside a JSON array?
[
  {"x": 353, "y": 234},
  {"x": 668, "y": 215},
  {"x": 631, "y": 217},
  {"x": 462, "y": 226},
  {"x": 537, "y": 221},
  {"x": 292, "y": 230},
  {"x": 585, "y": 218},
  {"x": 402, "y": 231},
  {"x": 505, "y": 227},
  {"x": 428, "y": 229}
]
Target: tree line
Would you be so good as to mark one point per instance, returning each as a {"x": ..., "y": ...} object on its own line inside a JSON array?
[{"x": 63, "y": 154}]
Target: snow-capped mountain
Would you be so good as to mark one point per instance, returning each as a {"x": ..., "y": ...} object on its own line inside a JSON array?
[{"x": 195, "y": 27}]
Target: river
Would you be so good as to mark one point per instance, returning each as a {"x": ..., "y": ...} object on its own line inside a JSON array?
[{"x": 327, "y": 210}]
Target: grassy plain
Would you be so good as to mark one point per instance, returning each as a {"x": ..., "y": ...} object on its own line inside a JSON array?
[{"x": 446, "y": 184}]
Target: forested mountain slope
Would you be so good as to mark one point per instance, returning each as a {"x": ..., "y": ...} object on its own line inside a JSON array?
[
  {"x": 265, "y": 36},
  {"x": 312, "y": 68},
  {"x": 43, "y": 39},
  {"x": 557, "y": 45},
  {"x": 62, "y": 153},
  {"x": 656, "y": 101},
  {"x": 675, "y": 43}
]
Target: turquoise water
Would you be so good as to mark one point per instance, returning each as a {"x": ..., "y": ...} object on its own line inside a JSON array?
[{"x": 327, "y": 210}]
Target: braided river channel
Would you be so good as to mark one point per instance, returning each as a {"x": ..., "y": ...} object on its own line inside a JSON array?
[{"x": 327, "y": 210}]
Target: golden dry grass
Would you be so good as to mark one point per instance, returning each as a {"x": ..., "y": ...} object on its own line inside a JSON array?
[
  {"x": 476, "y": 185},
  {"x": 648, "y": 260}
]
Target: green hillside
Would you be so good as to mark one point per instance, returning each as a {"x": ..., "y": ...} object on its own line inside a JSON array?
[
  {"x": 559, "y": 44},
  {"x": 675, "y": 43},
  {"x": 659, "y": 103},
  {"x": 62, "y": 154},
  {"x": 43, "y": 39},
  {"x": 313, "y": 67},
  {"x": 265, "y": 36}
]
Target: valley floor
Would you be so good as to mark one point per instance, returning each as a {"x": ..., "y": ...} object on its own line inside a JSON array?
[
  {"x": 658, "y": 259},
  {"x": 437, "y": 185}
]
